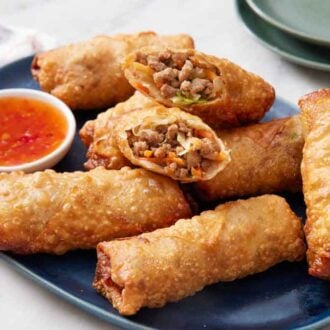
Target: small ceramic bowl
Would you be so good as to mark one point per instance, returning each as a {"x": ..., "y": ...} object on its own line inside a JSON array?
[{"x": 56, "y": 155}]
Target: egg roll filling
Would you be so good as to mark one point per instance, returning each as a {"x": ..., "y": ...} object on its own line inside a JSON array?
[
  {"x": 182, "y": 151},
  {"x": 108, "y": 287},
  {"x": 181, "y": 78}
]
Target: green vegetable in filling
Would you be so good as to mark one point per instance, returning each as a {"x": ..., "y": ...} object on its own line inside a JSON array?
[{"x": 181, "y": 99}]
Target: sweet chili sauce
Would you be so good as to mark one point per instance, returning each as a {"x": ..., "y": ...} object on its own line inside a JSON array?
[{"x": 29, "y": 129}]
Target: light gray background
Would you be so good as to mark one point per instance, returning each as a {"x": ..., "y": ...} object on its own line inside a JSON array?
[{"x": 216, "y": 30}]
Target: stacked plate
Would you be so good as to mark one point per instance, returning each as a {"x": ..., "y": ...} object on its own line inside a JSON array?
[{"x": 298, "y": 30}]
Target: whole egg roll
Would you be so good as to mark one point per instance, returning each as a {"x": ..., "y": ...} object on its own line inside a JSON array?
[
  {"x": 56, "y": 212},
  {"x": 171, "y": 142},
  {"x": 99, "y": 138},
  {"x": 217, "y": 90},
  {"x": 88, "y": 75},
  {"x": 233, "y": 241},
  {"x": 315, "y": 169},
  {"x": 265, "y": 158}
]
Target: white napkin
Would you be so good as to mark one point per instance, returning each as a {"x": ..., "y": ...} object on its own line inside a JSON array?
[{"x": 18, "y": 42}]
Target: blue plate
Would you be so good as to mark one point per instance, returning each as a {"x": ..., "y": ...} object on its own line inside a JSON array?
[{"x": 284, "y": 297}]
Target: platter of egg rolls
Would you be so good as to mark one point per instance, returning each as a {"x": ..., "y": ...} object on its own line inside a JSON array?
[{"x": 178, "y": 206}]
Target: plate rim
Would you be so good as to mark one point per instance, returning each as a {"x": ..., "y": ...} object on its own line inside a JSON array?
[
  {"x": 304, "y": 36},
  {"x": 292, "y": 58},
  {"x": 114, "y": 319},
  {"x": 108, "y": 316}
]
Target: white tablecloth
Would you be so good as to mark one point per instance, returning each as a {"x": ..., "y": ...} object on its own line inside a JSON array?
[{"x": 216, "y": 30}]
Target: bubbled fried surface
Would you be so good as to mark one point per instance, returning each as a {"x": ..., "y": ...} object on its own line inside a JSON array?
[
  {"x": 244, "y": 97},
  {"x": 87, "y": 75},
  {"x": 56, "y": 212},
  {"x": 265, "y": 158},
  {"x": 315, "y": 170},
  {"x": 235, "y": 240}
]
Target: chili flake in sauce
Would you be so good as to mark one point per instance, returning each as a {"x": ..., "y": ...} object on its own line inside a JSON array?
[{"x": 29, "y": 129}]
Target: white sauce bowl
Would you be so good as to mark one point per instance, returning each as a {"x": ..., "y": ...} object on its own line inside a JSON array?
[{"x": 56, "y": 155}]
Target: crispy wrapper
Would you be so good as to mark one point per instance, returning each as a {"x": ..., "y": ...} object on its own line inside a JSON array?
[
  {"x": 265, "y": 158},
  {"x": 109, "y": 145},
  {"x": 235, "y": 240},
  {"x": 56, "y": 212},
  {"x": 241, "y": 97},
  {"x": 88, "y": 75},
  {"x": 98, "y": 135},
  {"x": 315, "y": 169},
  {"x": 146, "y": 120}
]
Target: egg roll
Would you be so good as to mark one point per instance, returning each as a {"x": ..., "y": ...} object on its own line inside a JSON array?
[
  {"x": 233, "y": 241},
  {"x": 168, "y": 141},
  {"x": 215, "y": 89},
  {"x": 56, "y": 212},
  {"x": 171, "y": 142},
  {"x": 265, "y": 158},
  {"x": 88, "y": 75},
  {"x": 315, "y": 169},
  {"x": 98, "y": 135}
]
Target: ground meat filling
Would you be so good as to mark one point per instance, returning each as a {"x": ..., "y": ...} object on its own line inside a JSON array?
[
  {"x": 177, "y": 77},
  {"x": 106, "y": 285},
  {"x": 182, "y": 151}
]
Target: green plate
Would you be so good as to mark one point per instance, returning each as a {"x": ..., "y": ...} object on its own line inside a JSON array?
[
  {"x": 306, "y": 19},
  {"x": 294, "y": 50}
]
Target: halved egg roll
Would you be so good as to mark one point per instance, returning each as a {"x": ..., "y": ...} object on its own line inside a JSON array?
[
  {"x": 265, "y": 158},
  {"x": 103, "y": 150},
  {"x": 98, "y": 134},
  {"x": 56, "y": 212},
  {"x": 88, "y": 75},
  {"x": 215, "y": 89},
  {"x": 233, "y": 241},
  {"x": 315, "y": 169},
  {"x": 185, "y": 148},
  {"x": 172, "y": 142}
]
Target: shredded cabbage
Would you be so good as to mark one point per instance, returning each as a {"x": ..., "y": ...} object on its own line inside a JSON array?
[
  {"x": 183, "y": 100},
  {"x": 189, "y": 144},
  {"x": 138, "y": 130},
  {"x": 150, "y": 124}
]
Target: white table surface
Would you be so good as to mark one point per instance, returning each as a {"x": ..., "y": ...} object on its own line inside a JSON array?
[{"x": 216, "y": 30}]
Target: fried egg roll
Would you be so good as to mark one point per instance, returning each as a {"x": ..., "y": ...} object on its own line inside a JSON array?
[
  {"x": 233, "y": 241},
  {"x": 315, "y": 169},
  {"x": 88, "y": 75},
  {"x": 265, "y": 158},
  {"x": 215, "y": 89},
  {"x": 57, "y": 212},
  {"x": 171, "y": 142},
  {"x": 168, "y": 141},
  {"x": 98, "y": 135}
]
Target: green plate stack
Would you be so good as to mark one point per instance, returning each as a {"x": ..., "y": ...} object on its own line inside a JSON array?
[{"x": 298, "y": 30}]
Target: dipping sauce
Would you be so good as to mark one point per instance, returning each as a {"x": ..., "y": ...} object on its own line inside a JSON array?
[{"x": 29, "y": 130}]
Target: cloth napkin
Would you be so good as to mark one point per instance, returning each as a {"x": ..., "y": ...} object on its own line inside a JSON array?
[{"x": 18, "y": 42}]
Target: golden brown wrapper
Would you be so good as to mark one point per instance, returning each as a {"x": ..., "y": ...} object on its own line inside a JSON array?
[
  {"x": 88, "y": 75},
  {"x": 56, "y": 212},
  {"x": 315, "y": 169},
  {"x": 235, "y": 240},
  {"x": 243, "y": 98},
  {"x": 98, "y": 134},
  {"x": 150, "y": 118},
  {"x": 107, "y": 138},
  {"x": 265, "y": 158}
]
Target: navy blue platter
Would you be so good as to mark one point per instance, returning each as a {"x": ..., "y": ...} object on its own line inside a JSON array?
[{"x": 284, "y": 297}]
